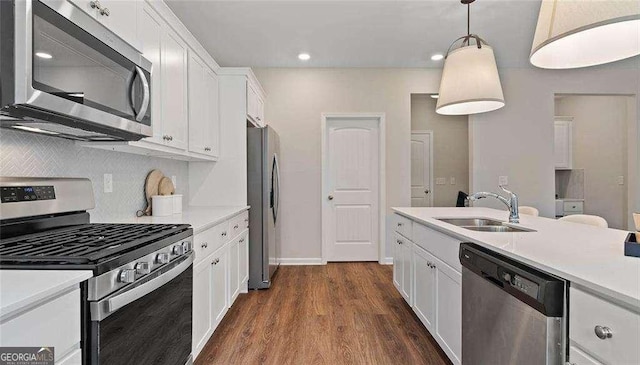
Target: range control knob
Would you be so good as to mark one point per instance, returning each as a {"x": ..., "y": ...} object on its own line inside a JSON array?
[
  {"x": 127, "y": 276},
  {"x": 178, "y": 250},
  {"x": 143, "y": 268},
  {"x": 186, "y": 246},
  {"x": 162, "y": 258}
]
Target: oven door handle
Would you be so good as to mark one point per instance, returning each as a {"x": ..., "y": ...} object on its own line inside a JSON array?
[{"x": 109, "y": 305}]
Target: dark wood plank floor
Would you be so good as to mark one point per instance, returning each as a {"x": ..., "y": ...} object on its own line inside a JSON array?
[{"x": 343, "y": 313}]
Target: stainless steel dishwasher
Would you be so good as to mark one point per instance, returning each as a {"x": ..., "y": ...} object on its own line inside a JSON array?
[{"x": 511, "y": 312}]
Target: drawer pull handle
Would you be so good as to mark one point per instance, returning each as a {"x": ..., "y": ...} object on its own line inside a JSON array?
[
  {"x": 399, "y": 224},
  {"x": 399, "y": 242},
  {"x": 603, "y": 332},
  {"x": 235, "y": 227}
]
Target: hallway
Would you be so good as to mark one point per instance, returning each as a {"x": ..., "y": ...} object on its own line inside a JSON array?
[{"x": 341, "y": 313}]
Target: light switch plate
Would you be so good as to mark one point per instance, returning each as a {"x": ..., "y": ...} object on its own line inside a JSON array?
[
  {"x": 620, "y": 180},
  {"x": 441, "y": 181},
  {"x": 108, "y": 183},
  {"x": 174, "y": 180},
  {"x": 503, "y": 180},
  {"x": 452, "y": 181}
]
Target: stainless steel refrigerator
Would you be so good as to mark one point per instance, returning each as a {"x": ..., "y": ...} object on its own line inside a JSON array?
[{"x": 263, "y": 148}]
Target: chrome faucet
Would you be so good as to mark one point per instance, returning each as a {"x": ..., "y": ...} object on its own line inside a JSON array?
[{"x": 511, "y": 203}]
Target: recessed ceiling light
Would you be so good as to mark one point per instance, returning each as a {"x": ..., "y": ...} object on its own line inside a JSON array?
[
  {"x": 437, "y": 57},
  {"x": 304, "y": 57},
  {"x": 435, "y": 96},
  {"x": 44, "y": 55},
  {"x": 32, "y": 129}
]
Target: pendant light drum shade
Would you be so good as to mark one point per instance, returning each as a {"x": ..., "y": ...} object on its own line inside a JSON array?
[
  {"x": 470, "y": 82},
  {"x": 582, "y": 33}
]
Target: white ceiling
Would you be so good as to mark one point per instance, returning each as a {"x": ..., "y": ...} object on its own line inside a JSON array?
[{"x": 354, "y": 33}]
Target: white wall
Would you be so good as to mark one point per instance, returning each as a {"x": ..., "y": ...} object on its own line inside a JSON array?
[
  {"x": 600, "y": 146},
  {"x": 516, "y": 141},
  {"x": 450, "y": 148}
]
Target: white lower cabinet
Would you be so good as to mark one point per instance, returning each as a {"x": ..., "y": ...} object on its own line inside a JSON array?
[
  {"x": 448, "y": 331},
  {"x": 591, "y": 318},
  {"x": 433, "y": 288},
  {"x": 424, "y": 289},
  {"x": 402, "y": 266},
  {"x": 220, "y": 274},
  {"x": 202, "y": 323}
]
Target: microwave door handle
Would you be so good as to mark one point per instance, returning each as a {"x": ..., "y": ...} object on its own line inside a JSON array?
[
  {"x": 145, "y": 95},
  {"x": 104, "y": 308}
]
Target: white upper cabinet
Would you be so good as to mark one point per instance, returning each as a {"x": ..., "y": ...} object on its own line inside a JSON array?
[
  {"x": 150, "y": 35},
  {"x": 204, "y": 119},
  {"x": 174, "y": 90},
  {"x": 119, "y": 16},
  {"x": 255, "y": 106},
  {"x": 563, "y": 143}
]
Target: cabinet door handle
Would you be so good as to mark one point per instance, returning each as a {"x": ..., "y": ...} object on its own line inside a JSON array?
[
  {"x": 399, "y": 242},
  {"x": 94, "y": 4},
  {"x": 104, "y": 11},
  {"x": 236, "y": 226},
  {"x": 171, "y": 138},
  {"x": 603, "y": 332},
  {"x": 399, "y": 224},
  {"x": 241, "y": 240}
]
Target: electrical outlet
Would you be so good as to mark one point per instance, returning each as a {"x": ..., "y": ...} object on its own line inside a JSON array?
[
  {"x": 452, "y": 181},
  {"x": 108, "y": 183},
  {"x": 503, "y": 180},
  {"x": 174, "y": 180},
  {"x": 441, "y": 181},
  {"x": 620, "y": 180}
]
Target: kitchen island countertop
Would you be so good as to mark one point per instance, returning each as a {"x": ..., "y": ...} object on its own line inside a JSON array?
[{"x": 587, "y": 256}]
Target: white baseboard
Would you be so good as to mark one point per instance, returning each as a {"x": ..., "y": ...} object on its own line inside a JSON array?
[
  {"x": 387, "y": 261},
  {"x": 300, "y": 261}
]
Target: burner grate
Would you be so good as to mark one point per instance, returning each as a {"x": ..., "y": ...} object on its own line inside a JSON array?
[{"x": 83, "y": 244}]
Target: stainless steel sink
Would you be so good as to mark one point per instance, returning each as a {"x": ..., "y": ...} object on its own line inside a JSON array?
[
  {"x": 483, "y": 225},
  {"x": 506, "y": 229},
  {"x": 471, "y": 222}
]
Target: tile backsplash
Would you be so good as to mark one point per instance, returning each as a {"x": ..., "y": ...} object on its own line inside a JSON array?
[{"x": 26, "y": 154}]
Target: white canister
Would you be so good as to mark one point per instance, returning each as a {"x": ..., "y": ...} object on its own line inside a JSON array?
[
  {"x": 161, "y": 205},
  {"x": 177, "y": 203},
  {"x": 636, "y": 220}
]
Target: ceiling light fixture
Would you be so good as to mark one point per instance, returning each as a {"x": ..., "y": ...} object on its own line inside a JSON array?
[
  {"x": 44, "y": 55},
  {"x": 304, "y": 57},
  {"x": 437, "y": 57},
  {"x": 573, "y": 34},
  {"x": 470, "y": 82}
]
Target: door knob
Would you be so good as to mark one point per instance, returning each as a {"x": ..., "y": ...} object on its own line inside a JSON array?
[
  {"x": 427, "y": 191},
  {"x": 330, "y": 197}
]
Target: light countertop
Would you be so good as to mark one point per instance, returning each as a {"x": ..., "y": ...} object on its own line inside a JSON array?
[
  {"x": 200, "y": 218},
  {"x": 591, "y": 257},
  {"x": 20, "y": 289}
]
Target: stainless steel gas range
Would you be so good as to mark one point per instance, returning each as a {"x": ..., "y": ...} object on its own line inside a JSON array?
[{"x": 137, "y": 308}]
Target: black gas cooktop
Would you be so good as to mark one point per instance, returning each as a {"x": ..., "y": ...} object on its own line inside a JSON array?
[{"x": 98, "y": 247}]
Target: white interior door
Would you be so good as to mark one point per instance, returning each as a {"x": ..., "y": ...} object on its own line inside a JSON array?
[
  {"x": 421, "y": 191},
  {"x": 351, "y": 189}
]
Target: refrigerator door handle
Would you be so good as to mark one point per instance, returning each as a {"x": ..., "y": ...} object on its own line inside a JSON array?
[{"x": 276, "y": 187}]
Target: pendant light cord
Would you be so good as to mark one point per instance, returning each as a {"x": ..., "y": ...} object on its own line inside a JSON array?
[{"x": 469, "y": 19}]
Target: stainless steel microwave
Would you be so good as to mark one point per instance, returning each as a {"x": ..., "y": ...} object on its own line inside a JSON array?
[{"x": 65, "y": 74}]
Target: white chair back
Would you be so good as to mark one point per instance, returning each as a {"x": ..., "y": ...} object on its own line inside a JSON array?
[
  {"x": 592, "y": 220},
  {"x": 529, "y": 210}
]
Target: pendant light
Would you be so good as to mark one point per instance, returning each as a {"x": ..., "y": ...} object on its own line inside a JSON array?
[
  {"x": 581, "y": 33},
  {"x": 470, "y": 82}
]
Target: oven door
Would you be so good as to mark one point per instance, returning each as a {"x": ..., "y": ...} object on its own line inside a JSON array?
[
  {"x": 69, "y": 64},
  {"x": 148, "y": 322}
]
